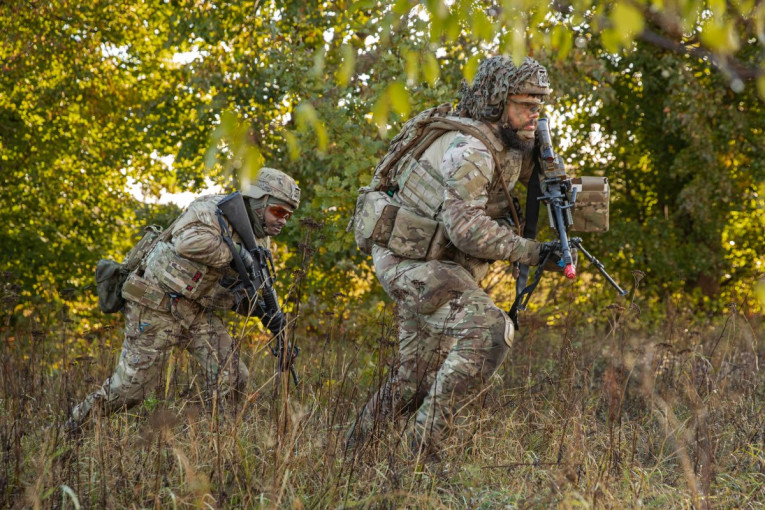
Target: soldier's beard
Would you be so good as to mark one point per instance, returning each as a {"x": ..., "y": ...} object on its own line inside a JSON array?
[{"x": 514, "y": 141}]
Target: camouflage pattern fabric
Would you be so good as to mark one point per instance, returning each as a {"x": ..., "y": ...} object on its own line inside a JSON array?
[
  {"x": 497, "y": 77},
  {"x": 471, "y": 204},
  {"x": 149, "y": 338},
  {"x": 155, "y": 322},
  {"x": 452, "y": 337}
]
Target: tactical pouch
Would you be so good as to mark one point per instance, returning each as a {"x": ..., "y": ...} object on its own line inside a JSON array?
[
  {"x": 418, "y": 189},
  {"x": 110, "y": 278},
  {"x": 590, "y": 212},
  {"x": 412, "y": 234},
  {"x": 141, "y": 291},
  {"x": 178, "y": 274},
  {"x": 368, "y": 219},
  {"x": 142, "y": 247}
]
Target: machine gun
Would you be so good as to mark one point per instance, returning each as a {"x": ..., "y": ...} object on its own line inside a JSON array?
[
  {"x": 257, "y": 279},
  {"x": 559, "y": 194}
]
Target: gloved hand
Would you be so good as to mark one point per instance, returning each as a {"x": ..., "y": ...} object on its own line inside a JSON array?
[
  {"x": 246, "y": 257},
  {"x": 555, "y": 260}
]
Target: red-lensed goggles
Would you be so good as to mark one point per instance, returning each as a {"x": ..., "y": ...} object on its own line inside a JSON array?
[{"x": 279, "y": 211}]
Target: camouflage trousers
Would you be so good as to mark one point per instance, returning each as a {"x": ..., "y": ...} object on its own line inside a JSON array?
[
  {"x": 452, "y": 338},
  {"x": 150, "y": 336}
]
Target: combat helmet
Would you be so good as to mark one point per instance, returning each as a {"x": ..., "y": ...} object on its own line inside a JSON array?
[
  {"x": 276, "y": 184},
  {"x": 496, "y": 78}
]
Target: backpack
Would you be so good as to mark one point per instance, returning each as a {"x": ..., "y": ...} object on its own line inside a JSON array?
[
  {"x": 375, "y": 215},
  {"x": 111, "y": 275}
]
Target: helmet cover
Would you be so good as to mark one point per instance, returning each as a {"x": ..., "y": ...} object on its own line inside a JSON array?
[
  {"x": 276, "y": 184},
  {"x": 496, "y": 78}
]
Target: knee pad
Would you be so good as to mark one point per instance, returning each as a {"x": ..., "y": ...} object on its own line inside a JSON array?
[{"x": 501, "y": 326}]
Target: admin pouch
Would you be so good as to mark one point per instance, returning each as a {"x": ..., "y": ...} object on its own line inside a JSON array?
[
  {"x": 178, "y": 275},
  {"x": 590, "y": 213},
  {"x": 111, "y": 275}
]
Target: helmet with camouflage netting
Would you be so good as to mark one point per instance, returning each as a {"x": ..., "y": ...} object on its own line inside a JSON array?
[
  {"x": 276, "y": 184},
  {"x": 496, "y": 78}
]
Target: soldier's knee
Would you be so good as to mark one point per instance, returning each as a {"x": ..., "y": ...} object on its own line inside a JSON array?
[
  {"x": 242, "y": 377},
  {"x": 501, "y": 327}
]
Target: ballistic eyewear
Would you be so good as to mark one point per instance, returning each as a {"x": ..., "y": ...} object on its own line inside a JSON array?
[{"x": 279, "y": 211}]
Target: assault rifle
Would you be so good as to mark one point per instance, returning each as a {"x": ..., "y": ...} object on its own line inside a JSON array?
[
  {"x": 257, "y": 279},
  {"x": 559, "y": 195}
]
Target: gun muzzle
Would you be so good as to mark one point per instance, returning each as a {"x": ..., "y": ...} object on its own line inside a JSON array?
[{"x": 570, "y": 271}]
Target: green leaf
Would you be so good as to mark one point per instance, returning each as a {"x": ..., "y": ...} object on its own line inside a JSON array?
[
  {"x": 562, "y": 41},
  {"x": 431, "y": 69}
]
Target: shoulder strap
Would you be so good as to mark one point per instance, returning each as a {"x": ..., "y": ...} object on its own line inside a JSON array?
[{"x": 451, "y": 124}]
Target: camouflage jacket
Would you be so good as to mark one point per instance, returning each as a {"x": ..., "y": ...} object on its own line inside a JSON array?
[
  {"x": 195, "y": 261},
  {"x": 472, "y": 201}
]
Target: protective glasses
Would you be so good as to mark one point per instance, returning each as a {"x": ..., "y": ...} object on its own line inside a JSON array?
[
  {"x": 279, "y": 211},
  {"x": 527, "y": 105}
]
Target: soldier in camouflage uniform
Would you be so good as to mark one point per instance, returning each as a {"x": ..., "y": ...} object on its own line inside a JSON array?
[
  {"x": 173, "y": 296},
  {"x": 452, "y": 337}
]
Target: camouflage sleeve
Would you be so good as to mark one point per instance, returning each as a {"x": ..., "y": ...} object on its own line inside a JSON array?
[
  {"x": 468, "y": 168},
  {"x": 199, "y": 238}
]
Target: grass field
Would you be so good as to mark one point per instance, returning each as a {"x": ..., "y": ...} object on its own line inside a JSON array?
[{"x": 577, "y": 417}]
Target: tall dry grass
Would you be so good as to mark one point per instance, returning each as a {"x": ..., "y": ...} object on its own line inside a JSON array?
[{"x": 577, "y": 417}]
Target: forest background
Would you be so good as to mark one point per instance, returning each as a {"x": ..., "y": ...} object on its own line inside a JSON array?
[{"x": 108, "y": 107}]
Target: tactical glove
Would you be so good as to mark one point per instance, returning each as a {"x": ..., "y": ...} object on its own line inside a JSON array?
[{"x": 555, "y": 258}]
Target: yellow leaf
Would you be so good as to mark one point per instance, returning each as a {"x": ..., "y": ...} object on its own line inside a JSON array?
[
  {"x": 627, "y": 21},
  {"x": 431, "y": 69},
  {"x": 761, "y": 87},
  {"x": 380, "y": 113},
  {"x": 482, "y": 27},
  {"x": 611, "y": 40},
  {"x": 349, "y": 64},
  {"x": 399, "y": 98},
  {"x": 470, "y": 68},
  {"x": 292, "y": 145},
  {"x": 412, "y": 66}
]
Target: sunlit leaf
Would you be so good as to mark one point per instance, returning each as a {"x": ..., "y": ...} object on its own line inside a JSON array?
[
  {"x": 627, "y": 21},
  {"x": 348, "y": 65},
  {"x": 292, "y": 145},
  {"x": 411, "y": 65},
  {"x": 562, "y": 41},
  {"x": 380, "y": 113},
  {"x": 430, "y": 68},
  {"x": 399, "y": 98},
  {"x": 470, "y": 67},
  {"x": 481, "y": 25}
]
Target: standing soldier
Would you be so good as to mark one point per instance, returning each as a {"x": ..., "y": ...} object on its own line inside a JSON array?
[
  {"x": 434, "y": 235},
  {"x": 171, "y": 299}
]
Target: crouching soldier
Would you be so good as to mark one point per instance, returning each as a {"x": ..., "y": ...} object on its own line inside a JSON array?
[{"x": 194, "y": 270}]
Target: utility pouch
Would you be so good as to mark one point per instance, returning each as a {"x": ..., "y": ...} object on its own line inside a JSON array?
[
  {"x": 110, "y": 278},
  {"x": 141, "y": 291},
  {"x": 412, "y": 234},
  {"x": 590, "y": 213},
  {"x": 142, "y": 247},
  {"x": 178, "y": 274},
  {"x": 368, "y": 218},
  {"x": 418, "y": 189}
]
